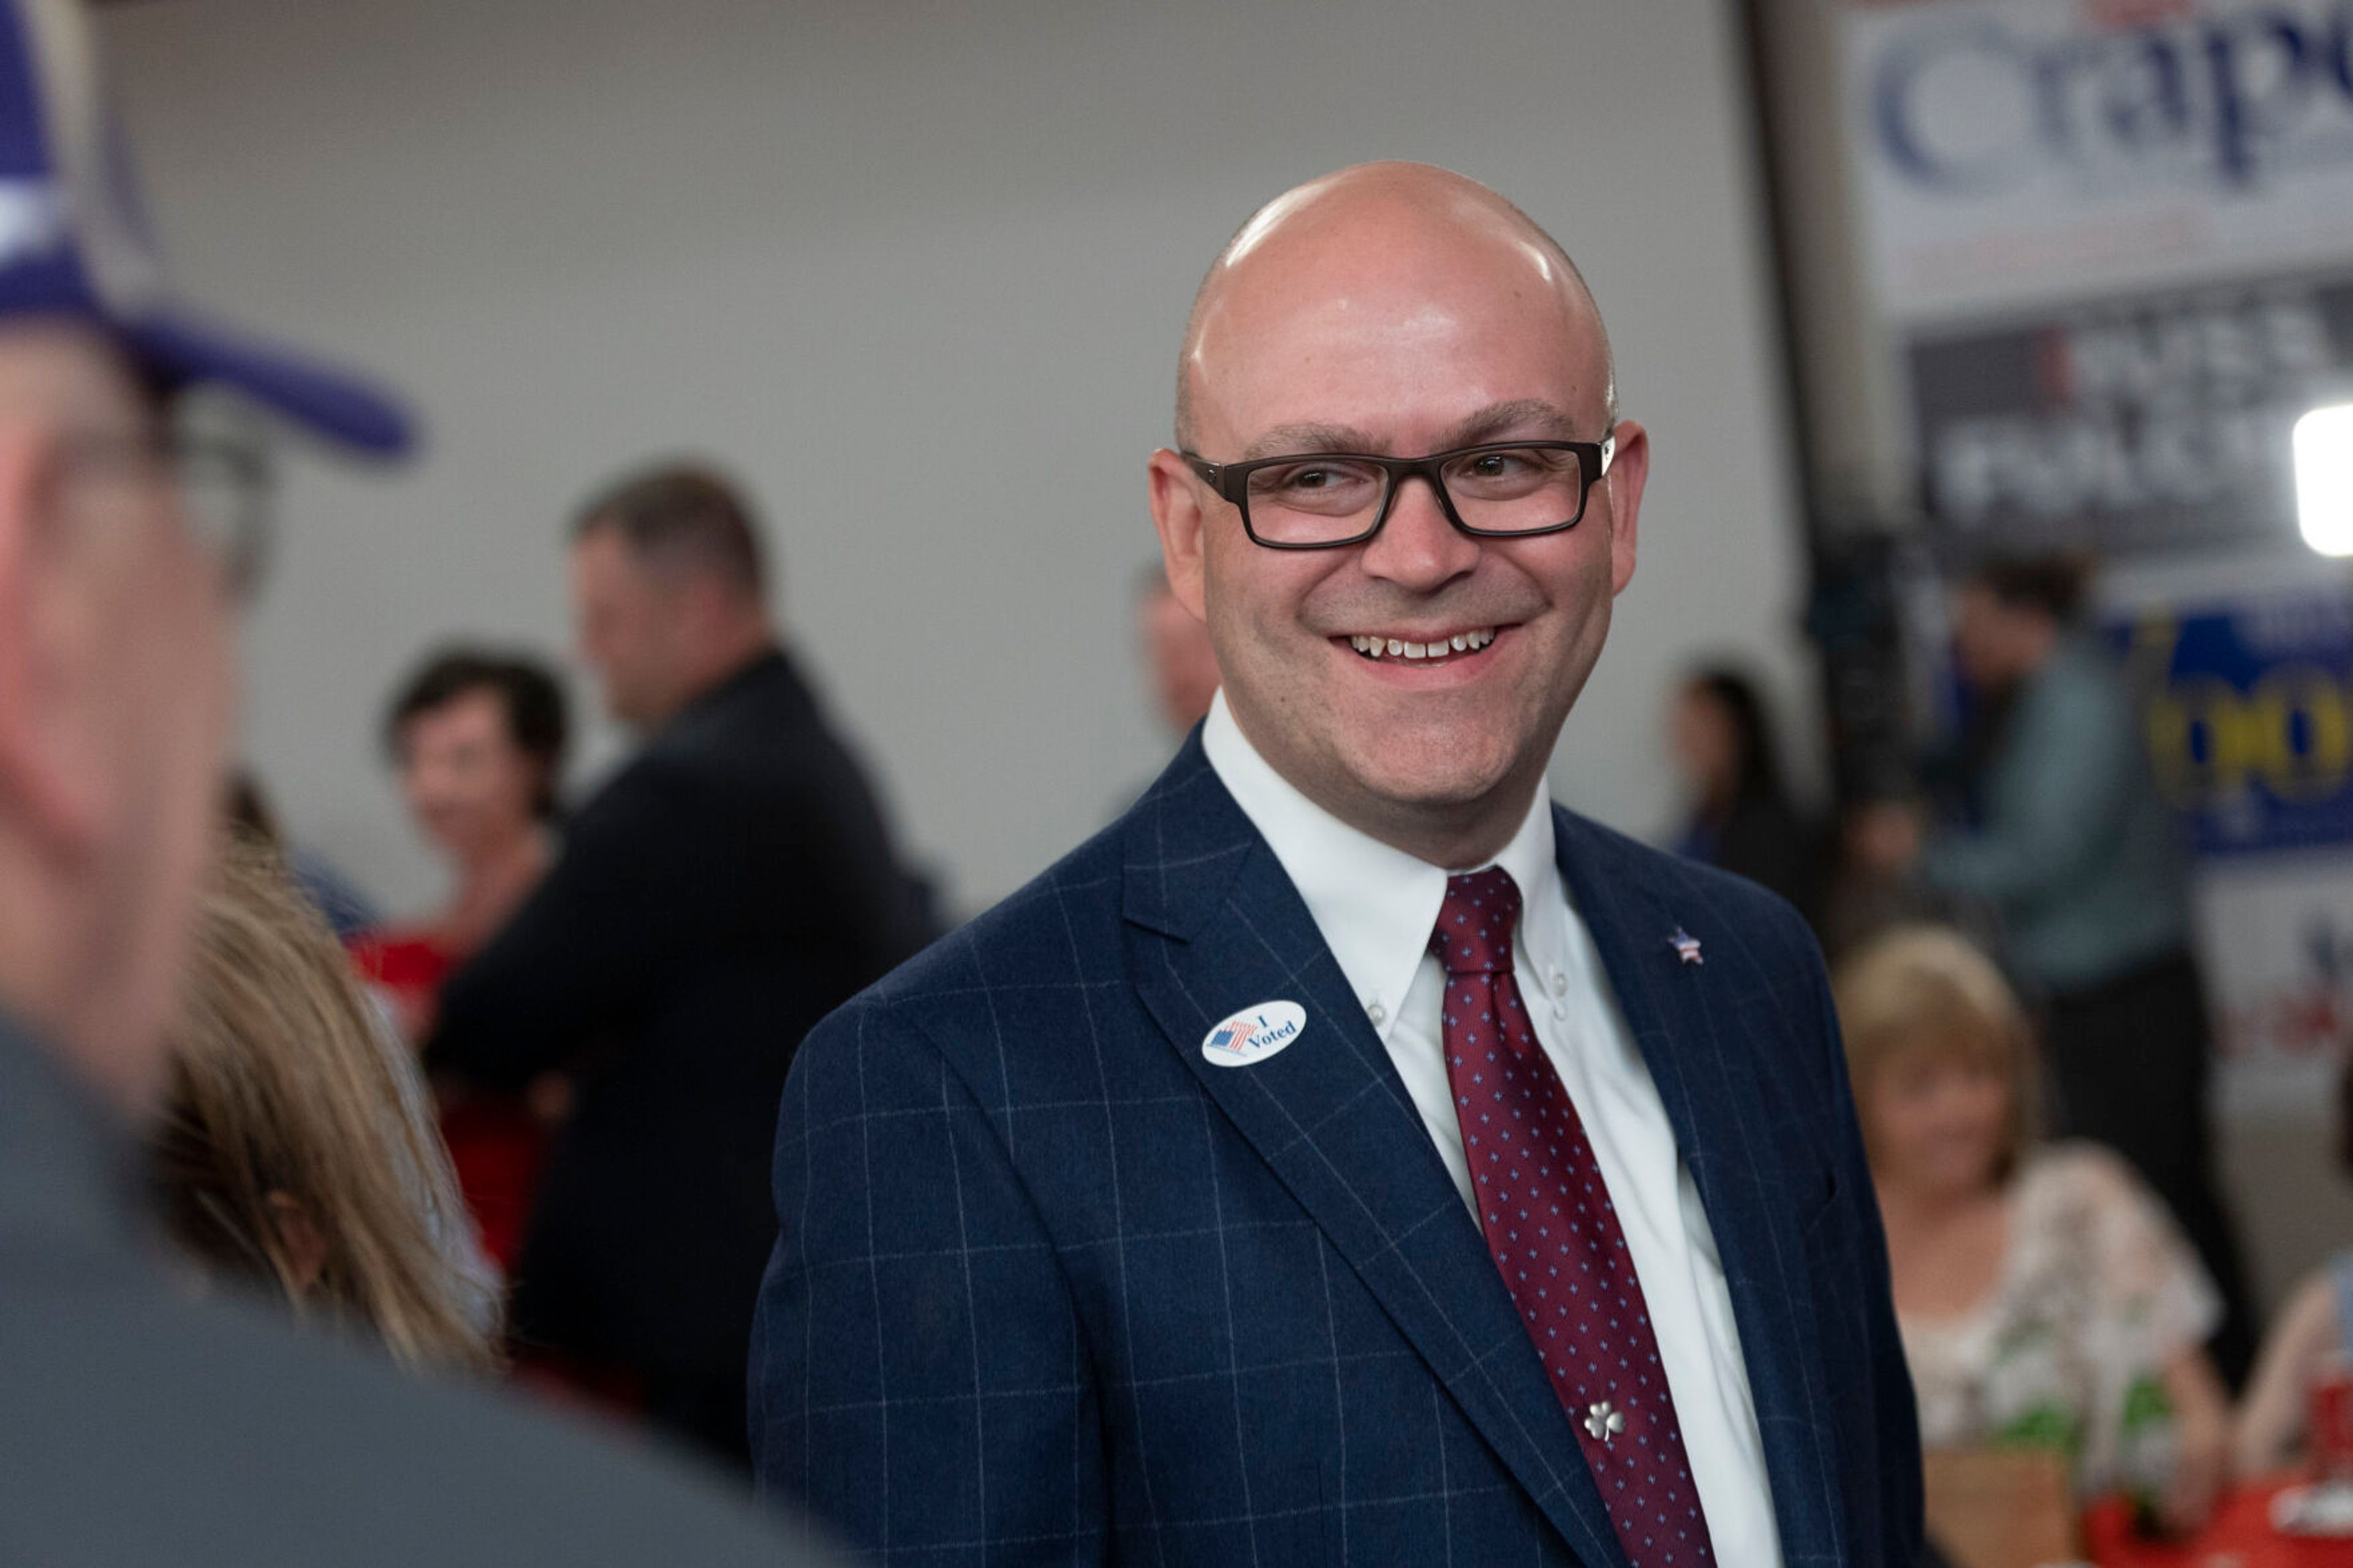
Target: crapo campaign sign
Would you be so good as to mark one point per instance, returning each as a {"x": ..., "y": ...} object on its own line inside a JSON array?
[{"x": 2015, "y": 152}]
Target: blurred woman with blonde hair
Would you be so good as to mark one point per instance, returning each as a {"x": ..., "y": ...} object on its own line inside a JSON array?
[
  {"x": 2045, "y": 1298},
  {"x": 296, "y": 1152}
]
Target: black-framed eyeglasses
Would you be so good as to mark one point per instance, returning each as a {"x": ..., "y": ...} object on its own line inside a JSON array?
[
  {"x": 1321, "y": 500},
  {"x": 220, "y": 486}
]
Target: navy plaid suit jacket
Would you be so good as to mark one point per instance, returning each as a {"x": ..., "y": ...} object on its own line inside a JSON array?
[{"x": 1051, "y": 1289}]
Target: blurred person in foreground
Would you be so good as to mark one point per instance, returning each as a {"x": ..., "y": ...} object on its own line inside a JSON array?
[
  {"x": 477, "y": 738},
  {"x": 730, "y": 886},
  {"x": 2080, "y": 856},
  {"x": 137, "y": 1425},
  {"x": 1142, "y": 1220},
  {"x": 2310, "y": 1342},
  {"x": 2046, "y": 1298},
  {"x": 296, "y": 1151},
  {"x": 1739, "y": 815}
]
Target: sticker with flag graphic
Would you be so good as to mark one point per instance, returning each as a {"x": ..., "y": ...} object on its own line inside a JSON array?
[{"x": 1253, "y": 1033}]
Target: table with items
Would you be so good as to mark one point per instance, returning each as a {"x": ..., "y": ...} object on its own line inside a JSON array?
[{"x": 2287, "y": 1521}]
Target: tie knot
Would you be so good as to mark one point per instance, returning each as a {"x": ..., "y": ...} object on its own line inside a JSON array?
[{"x": 1476, "y": 923}]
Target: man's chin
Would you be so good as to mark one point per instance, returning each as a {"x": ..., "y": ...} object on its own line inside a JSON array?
[{"x": 1436, "y": 781}]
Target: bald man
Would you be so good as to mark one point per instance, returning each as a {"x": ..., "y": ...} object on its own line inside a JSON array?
[{"x": 1350, "y": 1156}]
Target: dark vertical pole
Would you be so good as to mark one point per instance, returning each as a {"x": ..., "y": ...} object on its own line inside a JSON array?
[
  {"x": 1770, "y": 158},
  {"x": 1852, "y": 613}
]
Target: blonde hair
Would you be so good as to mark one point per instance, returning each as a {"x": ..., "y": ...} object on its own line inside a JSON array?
[
  {"x": 1928, "y": 990},
  {"x": 283, "y": 1091}
]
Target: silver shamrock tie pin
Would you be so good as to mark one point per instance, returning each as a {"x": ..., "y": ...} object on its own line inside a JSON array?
[{"x": 1603, "y": 1422}]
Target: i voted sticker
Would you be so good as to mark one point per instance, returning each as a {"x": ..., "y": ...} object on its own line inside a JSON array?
[{"x": 1254, "y": 1033}]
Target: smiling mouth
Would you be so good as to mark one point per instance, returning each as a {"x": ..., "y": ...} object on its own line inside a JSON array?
[{"x": 1445, "y": 649}]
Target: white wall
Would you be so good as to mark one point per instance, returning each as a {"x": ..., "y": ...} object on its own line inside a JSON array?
[{"x": 893, "y": 261}]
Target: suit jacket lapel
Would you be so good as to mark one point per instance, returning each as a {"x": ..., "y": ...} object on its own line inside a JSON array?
[
  {"x": 1215, "y": 927},
  {"x": 1712, "y": 1081}
]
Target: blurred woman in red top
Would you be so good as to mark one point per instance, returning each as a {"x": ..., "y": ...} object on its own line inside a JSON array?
[{"x": 477, "y": 739}]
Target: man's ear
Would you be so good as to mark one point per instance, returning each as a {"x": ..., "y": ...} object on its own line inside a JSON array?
[
  {"x": 1177, "y": 516},
  {"x": 1629, "y": 471},
  {"x": 48, "y": 616},
  {"x": 699, "y": 602}
]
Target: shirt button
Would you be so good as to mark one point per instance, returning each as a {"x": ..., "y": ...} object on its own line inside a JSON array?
[
  {"x": 1559, "y": 983},
  {"x": 1376, "y": 1013}
]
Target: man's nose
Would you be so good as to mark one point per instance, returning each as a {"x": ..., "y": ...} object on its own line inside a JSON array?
[{"x": 1417, "y": 548}]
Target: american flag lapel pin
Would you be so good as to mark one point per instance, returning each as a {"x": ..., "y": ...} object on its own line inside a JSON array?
[{"x": 1686, "y": 946}]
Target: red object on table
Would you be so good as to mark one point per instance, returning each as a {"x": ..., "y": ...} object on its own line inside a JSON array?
[
  {"x": 2240, "y": 1534},
  {"x": 2331, "y": 1421},
  {"x": 495, "y": 1143}
]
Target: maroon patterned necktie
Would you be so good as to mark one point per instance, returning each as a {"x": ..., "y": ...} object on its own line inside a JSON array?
[{"x": 1555, "y": 1235}]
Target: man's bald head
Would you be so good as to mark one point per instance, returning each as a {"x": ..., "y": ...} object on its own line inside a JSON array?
[
  {"x": 1397, "y": 311},
  {"x": 1326, "y": 233}
]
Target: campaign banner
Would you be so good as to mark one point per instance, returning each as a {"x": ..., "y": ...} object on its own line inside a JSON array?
[
  {"x": 2138, "y": 424},
  {"x": 2247, "y": 709},
  {"x": 2007, "y": 151}
]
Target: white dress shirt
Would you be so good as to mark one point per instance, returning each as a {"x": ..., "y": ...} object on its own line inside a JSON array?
[{"x": 1375, "y": 908}]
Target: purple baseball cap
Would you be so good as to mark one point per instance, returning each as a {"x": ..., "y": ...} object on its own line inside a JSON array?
[{"x": 74, "y": 241}]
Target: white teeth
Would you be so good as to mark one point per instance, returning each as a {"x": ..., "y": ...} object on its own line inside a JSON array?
[{"x": 1397, "y": 647}]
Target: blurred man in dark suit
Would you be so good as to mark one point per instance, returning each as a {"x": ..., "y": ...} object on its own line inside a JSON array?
[
  {"x": 725, "y": 891},
  {"x": 136, "y": 1424}
]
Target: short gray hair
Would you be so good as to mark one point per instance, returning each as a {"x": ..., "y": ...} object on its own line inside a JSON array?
[{"x": 683, "y": 515}]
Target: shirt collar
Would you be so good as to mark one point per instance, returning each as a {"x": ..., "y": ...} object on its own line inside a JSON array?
[{"x": 1376, "y": 905}]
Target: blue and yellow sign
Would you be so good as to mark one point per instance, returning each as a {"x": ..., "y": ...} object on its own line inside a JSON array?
[{"x": 2248, "y": 714}]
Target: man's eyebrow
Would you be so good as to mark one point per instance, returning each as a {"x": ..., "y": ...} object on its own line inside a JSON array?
[
  {"x": 1529, "y": 417},
  {"x": 1532, "y": 417},
  {"x": 1289, "y": 440}
]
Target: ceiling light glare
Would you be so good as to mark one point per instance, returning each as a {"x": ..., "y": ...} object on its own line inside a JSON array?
[{"x": 2324, "y": 479}]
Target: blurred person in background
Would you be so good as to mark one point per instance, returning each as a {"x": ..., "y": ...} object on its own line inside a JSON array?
[
  {"x": 295, "y": 1152},
  {"x": 1177, "y": 651},
  {"x": 136, "y": 1424},
  {"x": 2310, "y": 1342},
  {"x": 2079, "y": 856},
  {"x": 728, "y": 887},
  {"x": 477, "y": 738},
  {"x": 2045, "y": 1296},
  {"x": 1740, "y": 817},
  {"x": 1869, "y": 885}
]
